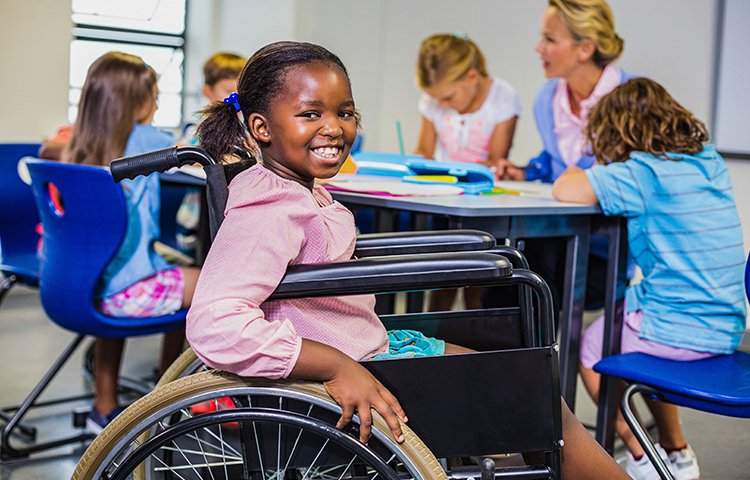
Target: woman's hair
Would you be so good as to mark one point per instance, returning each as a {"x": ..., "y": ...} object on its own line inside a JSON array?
[
  {"x": 640, "y": 116},
  {"x": 447, "y": 58},
  {"x": 593, "y": 20},
  {"x": 118, "y": 88},
  {"x": 221, "y": 133},
  {"x": 221, "y": 66}
]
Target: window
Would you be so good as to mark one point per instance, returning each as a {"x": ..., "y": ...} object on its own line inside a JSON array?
[{"x": 152, "y": 29}]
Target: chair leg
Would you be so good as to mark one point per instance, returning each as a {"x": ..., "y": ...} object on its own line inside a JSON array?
[
  {"x": 640, "y": 434},
  {"x": 8, "y": 282},
  {"x": 7, "y": 451}
]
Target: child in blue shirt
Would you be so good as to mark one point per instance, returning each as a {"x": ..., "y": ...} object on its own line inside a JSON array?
[
  {"x": 118, "y": 102},
  {"x": 654, "y": 168}
]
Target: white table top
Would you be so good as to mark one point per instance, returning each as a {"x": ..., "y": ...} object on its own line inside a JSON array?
[{"x": 535, "y": 199}]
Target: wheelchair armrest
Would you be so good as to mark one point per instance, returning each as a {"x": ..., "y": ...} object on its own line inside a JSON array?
[
  {"x": 397, "y": 273},
  {"x": 408, "y": 243},
  {"x": 513, "y": 255}
]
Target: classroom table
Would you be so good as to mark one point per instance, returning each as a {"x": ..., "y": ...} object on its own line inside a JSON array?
[{"x": 528, "y": 215}]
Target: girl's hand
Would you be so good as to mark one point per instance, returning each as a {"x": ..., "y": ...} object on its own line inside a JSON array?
[
  {"x": 354, "y": 388},
  {"x": 351, "y": 385},
  {"x": 507, "y": 171}
]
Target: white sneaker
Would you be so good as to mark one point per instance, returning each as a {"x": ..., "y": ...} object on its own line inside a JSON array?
[
  {"x": 684, "y": 464},
  {"x": 643, "y": 469}
]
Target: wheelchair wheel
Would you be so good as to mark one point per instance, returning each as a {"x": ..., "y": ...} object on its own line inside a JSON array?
[
  {"x": 272, "y": 430},
  {"x": 186, "y": 364}
]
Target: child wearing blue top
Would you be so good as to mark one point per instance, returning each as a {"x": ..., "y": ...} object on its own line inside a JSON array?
[
  {"x": 117, "y": 105},
  {"x": 683, "y": 232}
]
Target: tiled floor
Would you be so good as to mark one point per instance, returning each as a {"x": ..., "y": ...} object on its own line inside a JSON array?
[{"x": 29, "y": 342}]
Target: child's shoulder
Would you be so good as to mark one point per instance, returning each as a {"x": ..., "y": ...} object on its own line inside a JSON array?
[{"x": 259, "y": 186}]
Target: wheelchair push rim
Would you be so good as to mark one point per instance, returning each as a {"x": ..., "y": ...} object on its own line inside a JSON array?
[{"x": 263, "y": 407}]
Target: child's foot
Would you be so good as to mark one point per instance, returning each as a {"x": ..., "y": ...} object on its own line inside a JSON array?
[
  {"x": 684, "y": 464},
  {"x": 96, "y": 422},
  {"x": 642, "y": 469}
]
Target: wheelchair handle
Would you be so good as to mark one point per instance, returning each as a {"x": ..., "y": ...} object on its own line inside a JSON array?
[{"x": 157, "y": 161}]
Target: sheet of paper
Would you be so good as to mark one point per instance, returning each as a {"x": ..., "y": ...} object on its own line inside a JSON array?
[
  {"x": 399, "y": 189},
  {"x": 190, "y": 170}
]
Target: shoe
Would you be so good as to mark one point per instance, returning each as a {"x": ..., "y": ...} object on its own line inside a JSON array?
[
  {"x": 643, "y": 469},
  {"x": 96, "y": 422},
  {"x": 224, "y": 403},
  {"x": 684, "y": 464}
]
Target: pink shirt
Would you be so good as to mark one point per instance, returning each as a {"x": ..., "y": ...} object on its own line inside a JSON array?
[
  {"x": 568, "y": 126},
  {"x": 272, "y": 223},
  {"x": 466, "y": 137}
]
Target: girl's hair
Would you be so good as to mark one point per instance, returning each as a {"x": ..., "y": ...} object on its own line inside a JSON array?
[
  {"x": 118, "y": 88},
  {"x": 221, "y": 133},
  {"x": 593, "y": 20},
  {"x": 640, "y": 116},
  {"x": 447, "y": 58},
  {"x": 221, "y": 66}
]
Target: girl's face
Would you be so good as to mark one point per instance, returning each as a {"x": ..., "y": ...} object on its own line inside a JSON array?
[
  {"x": 559, "y": 53},
  {"x": 149, "y": 109},
  {"x": 458, "y": 95},
  {"x": 310, "y": 125}
]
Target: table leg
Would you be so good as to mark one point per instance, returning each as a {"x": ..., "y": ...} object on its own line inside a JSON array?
[
  {"x": 571, "y": 314},
  {"x": 609, "y": 388}
]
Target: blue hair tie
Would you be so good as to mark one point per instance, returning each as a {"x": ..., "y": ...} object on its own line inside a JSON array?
[
  {"x": 232, "y": 98},
  {"x": 461, "y": 34}
]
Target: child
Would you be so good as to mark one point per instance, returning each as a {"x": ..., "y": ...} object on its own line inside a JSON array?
[
  {"x": 469, "y": 115},
  {"x": 684, "y": 233},
  {"x": 117, "y": 105},
  {"x": 296, "y": 102},
  {"x": 220, "y": 74}
]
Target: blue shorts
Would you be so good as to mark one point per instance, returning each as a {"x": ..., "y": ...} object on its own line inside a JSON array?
[{"x": 409, "y": 343}]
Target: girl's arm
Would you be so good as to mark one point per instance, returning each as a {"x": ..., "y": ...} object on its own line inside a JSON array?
[
  {"x": 427, "y": 139},
  {"x": 351, "y": 385},
  {"x": 574, "y": 186},
  {"x": 500, "y": 143}
]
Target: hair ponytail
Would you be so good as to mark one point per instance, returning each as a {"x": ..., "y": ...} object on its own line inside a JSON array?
[{"x": 222, "y": 133}]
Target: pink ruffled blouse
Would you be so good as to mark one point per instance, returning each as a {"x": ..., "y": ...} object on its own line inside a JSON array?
[{"x": 272, "y": 223}]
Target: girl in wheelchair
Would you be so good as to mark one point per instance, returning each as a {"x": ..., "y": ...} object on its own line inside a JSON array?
[
  {"x": 296, "y": 102},
  {"x": 684, "y": 232}
]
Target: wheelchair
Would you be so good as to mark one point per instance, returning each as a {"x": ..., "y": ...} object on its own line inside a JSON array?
[{"x": 503, "y": 399}]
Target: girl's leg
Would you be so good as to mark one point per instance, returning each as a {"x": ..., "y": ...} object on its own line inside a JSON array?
[
  {"x": 591, "y": 381},
  {"x": 190, "y": 274},
  {"x": 667, "y": 419},
  {"x": 174, "y": 341},
  {"x": 582, "y": 457},
  {"x": 473, "y": 297},
  {"x": 442, "y": 300},
  {"x": 107, "y": 355}
]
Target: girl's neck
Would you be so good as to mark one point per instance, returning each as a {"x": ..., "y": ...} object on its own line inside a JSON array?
[
  {"x": 581, "y": 84},
  {"x": 483, "y": 89}
]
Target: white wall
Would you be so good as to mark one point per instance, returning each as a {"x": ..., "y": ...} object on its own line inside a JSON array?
[
  {"x": 35, "y": 38},
  {"x": 668, "y": 45},
  {"x": 235, "y": 26}
]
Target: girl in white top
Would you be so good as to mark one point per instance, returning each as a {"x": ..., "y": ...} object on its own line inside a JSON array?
[{"x": 467, "y": 115}]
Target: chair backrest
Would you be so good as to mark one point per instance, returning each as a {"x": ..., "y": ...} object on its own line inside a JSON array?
[
  {"x": 18, "y": 216},
  {"x": 81, "y": 235}
]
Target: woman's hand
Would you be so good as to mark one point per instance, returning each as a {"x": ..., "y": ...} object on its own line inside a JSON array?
[
  {"x": 354, "y": 388},
  {"x": 507, "y": 171},
  {"x": 351, "y": 385}
]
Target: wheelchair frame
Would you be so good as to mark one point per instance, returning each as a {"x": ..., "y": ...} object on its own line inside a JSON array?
[{"x": 522, "y": 396}]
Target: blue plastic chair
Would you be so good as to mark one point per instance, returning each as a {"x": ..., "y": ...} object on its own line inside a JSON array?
[
  {"x": 719, "y": 385},
  {"x": 78, "y": 243},
  {"x": 18, "y": 220}
]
